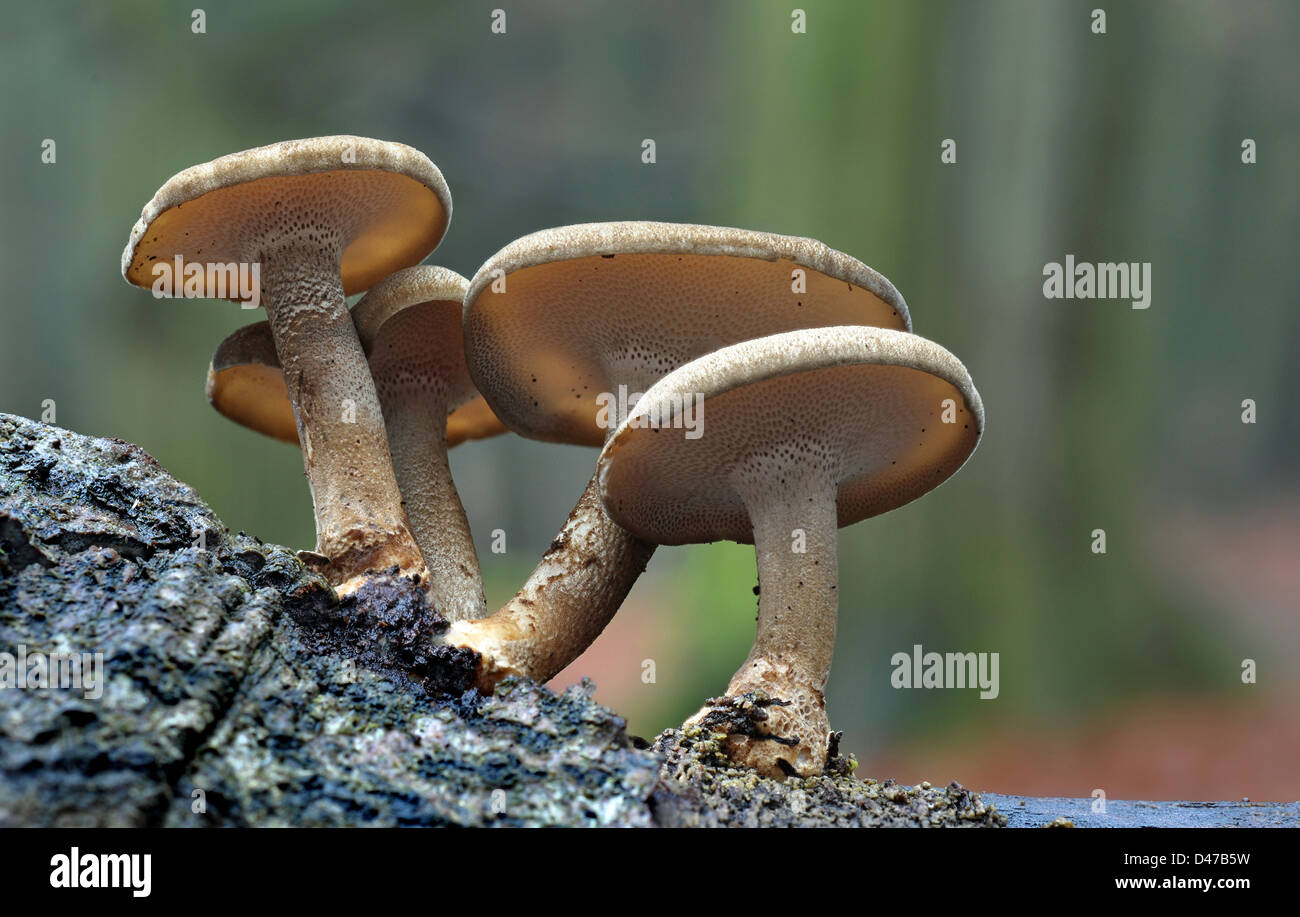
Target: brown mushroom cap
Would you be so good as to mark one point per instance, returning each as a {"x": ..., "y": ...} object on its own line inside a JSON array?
[
  {"x": 411, "y": 321},
  {"x": 246, "y": 384},
  {"x": 385, "y": 202},
  {"x": 861, "y": 406},
  {"x": 409, "y": 325},
  {"x": 473, "y": 420},
  {"x": 592, "y": 306}
]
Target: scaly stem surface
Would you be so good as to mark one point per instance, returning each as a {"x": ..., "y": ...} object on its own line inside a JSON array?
[
  {"x": 572, "y": 594},
  {"x": 417, "y": 435},
  {"x": 795, "y": 535},
  {"x": 360, "y": 524}
]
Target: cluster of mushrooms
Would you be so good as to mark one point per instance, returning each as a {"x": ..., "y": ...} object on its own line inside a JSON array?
[{"x": 820, "y": 407}]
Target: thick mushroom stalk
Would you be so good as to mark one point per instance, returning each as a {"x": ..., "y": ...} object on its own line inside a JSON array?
[
  {"x": 796, "y": 552},
  {"x": 573, "y": 592},
  {"x": 301, "y": 224},
  {"x": 795, "y": 547},
  {"x": 409, "y": 325},
  {"x": 580, "y": 582},
  {"x": 360, "y": 523},
  {"x": 417, "y": 434},
  {"x": 799, "y": 434},
  {"x": 571, "y": 596}
]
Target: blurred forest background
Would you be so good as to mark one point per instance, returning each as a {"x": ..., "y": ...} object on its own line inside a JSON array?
[{"x": 1119, "y": 671}]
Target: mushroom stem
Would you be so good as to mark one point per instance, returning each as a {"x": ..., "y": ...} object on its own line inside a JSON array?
[
  {"x": 572, "y": 594},
  {"x": 795, "y": 549},
  {"x": 360, "y": 524},
  {"x": 417, "y": 435},
  {"x": 795, "y": 539}
]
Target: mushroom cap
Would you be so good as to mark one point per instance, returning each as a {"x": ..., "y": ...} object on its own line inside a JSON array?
[
  {"x": 592, "y": 306},
  {"x": 473, "y": 420},
  {"x": 384, "y": 203},
  {"x": 861, "y": 406},
  {"x": 246, "y": 384},
  {"x": 409, "y": 326}
]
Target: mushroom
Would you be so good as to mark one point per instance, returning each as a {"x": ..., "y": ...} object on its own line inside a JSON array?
[
  {"x": 409, "y": 325},
  {"x": 802, "y": 433},
  {"x": 564, "y": 327},
  {"x": 317, "y": 220}
]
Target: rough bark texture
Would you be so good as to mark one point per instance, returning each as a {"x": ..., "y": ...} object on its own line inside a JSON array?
[{"x": 231, "y": 672}]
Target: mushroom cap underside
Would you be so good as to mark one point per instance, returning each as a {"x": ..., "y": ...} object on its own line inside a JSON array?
[
  {"x": 403, "y": 290},
  {"x": 410, "y": 327},
  {"x": 253, "y": 395},
  {"x": 884, "y": 416},
  {"x": 589, "y": 307},
  {"x": 384, "y": 205}
]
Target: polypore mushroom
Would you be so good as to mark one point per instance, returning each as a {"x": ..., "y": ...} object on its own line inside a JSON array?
[
  {"x": 802, "y": 433},
  {"x": 315, "y": 220},
  {"x": 565, "y": 327},
  {"x": 409, "y": 325},
  {"x": 245, "y": 384}
]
